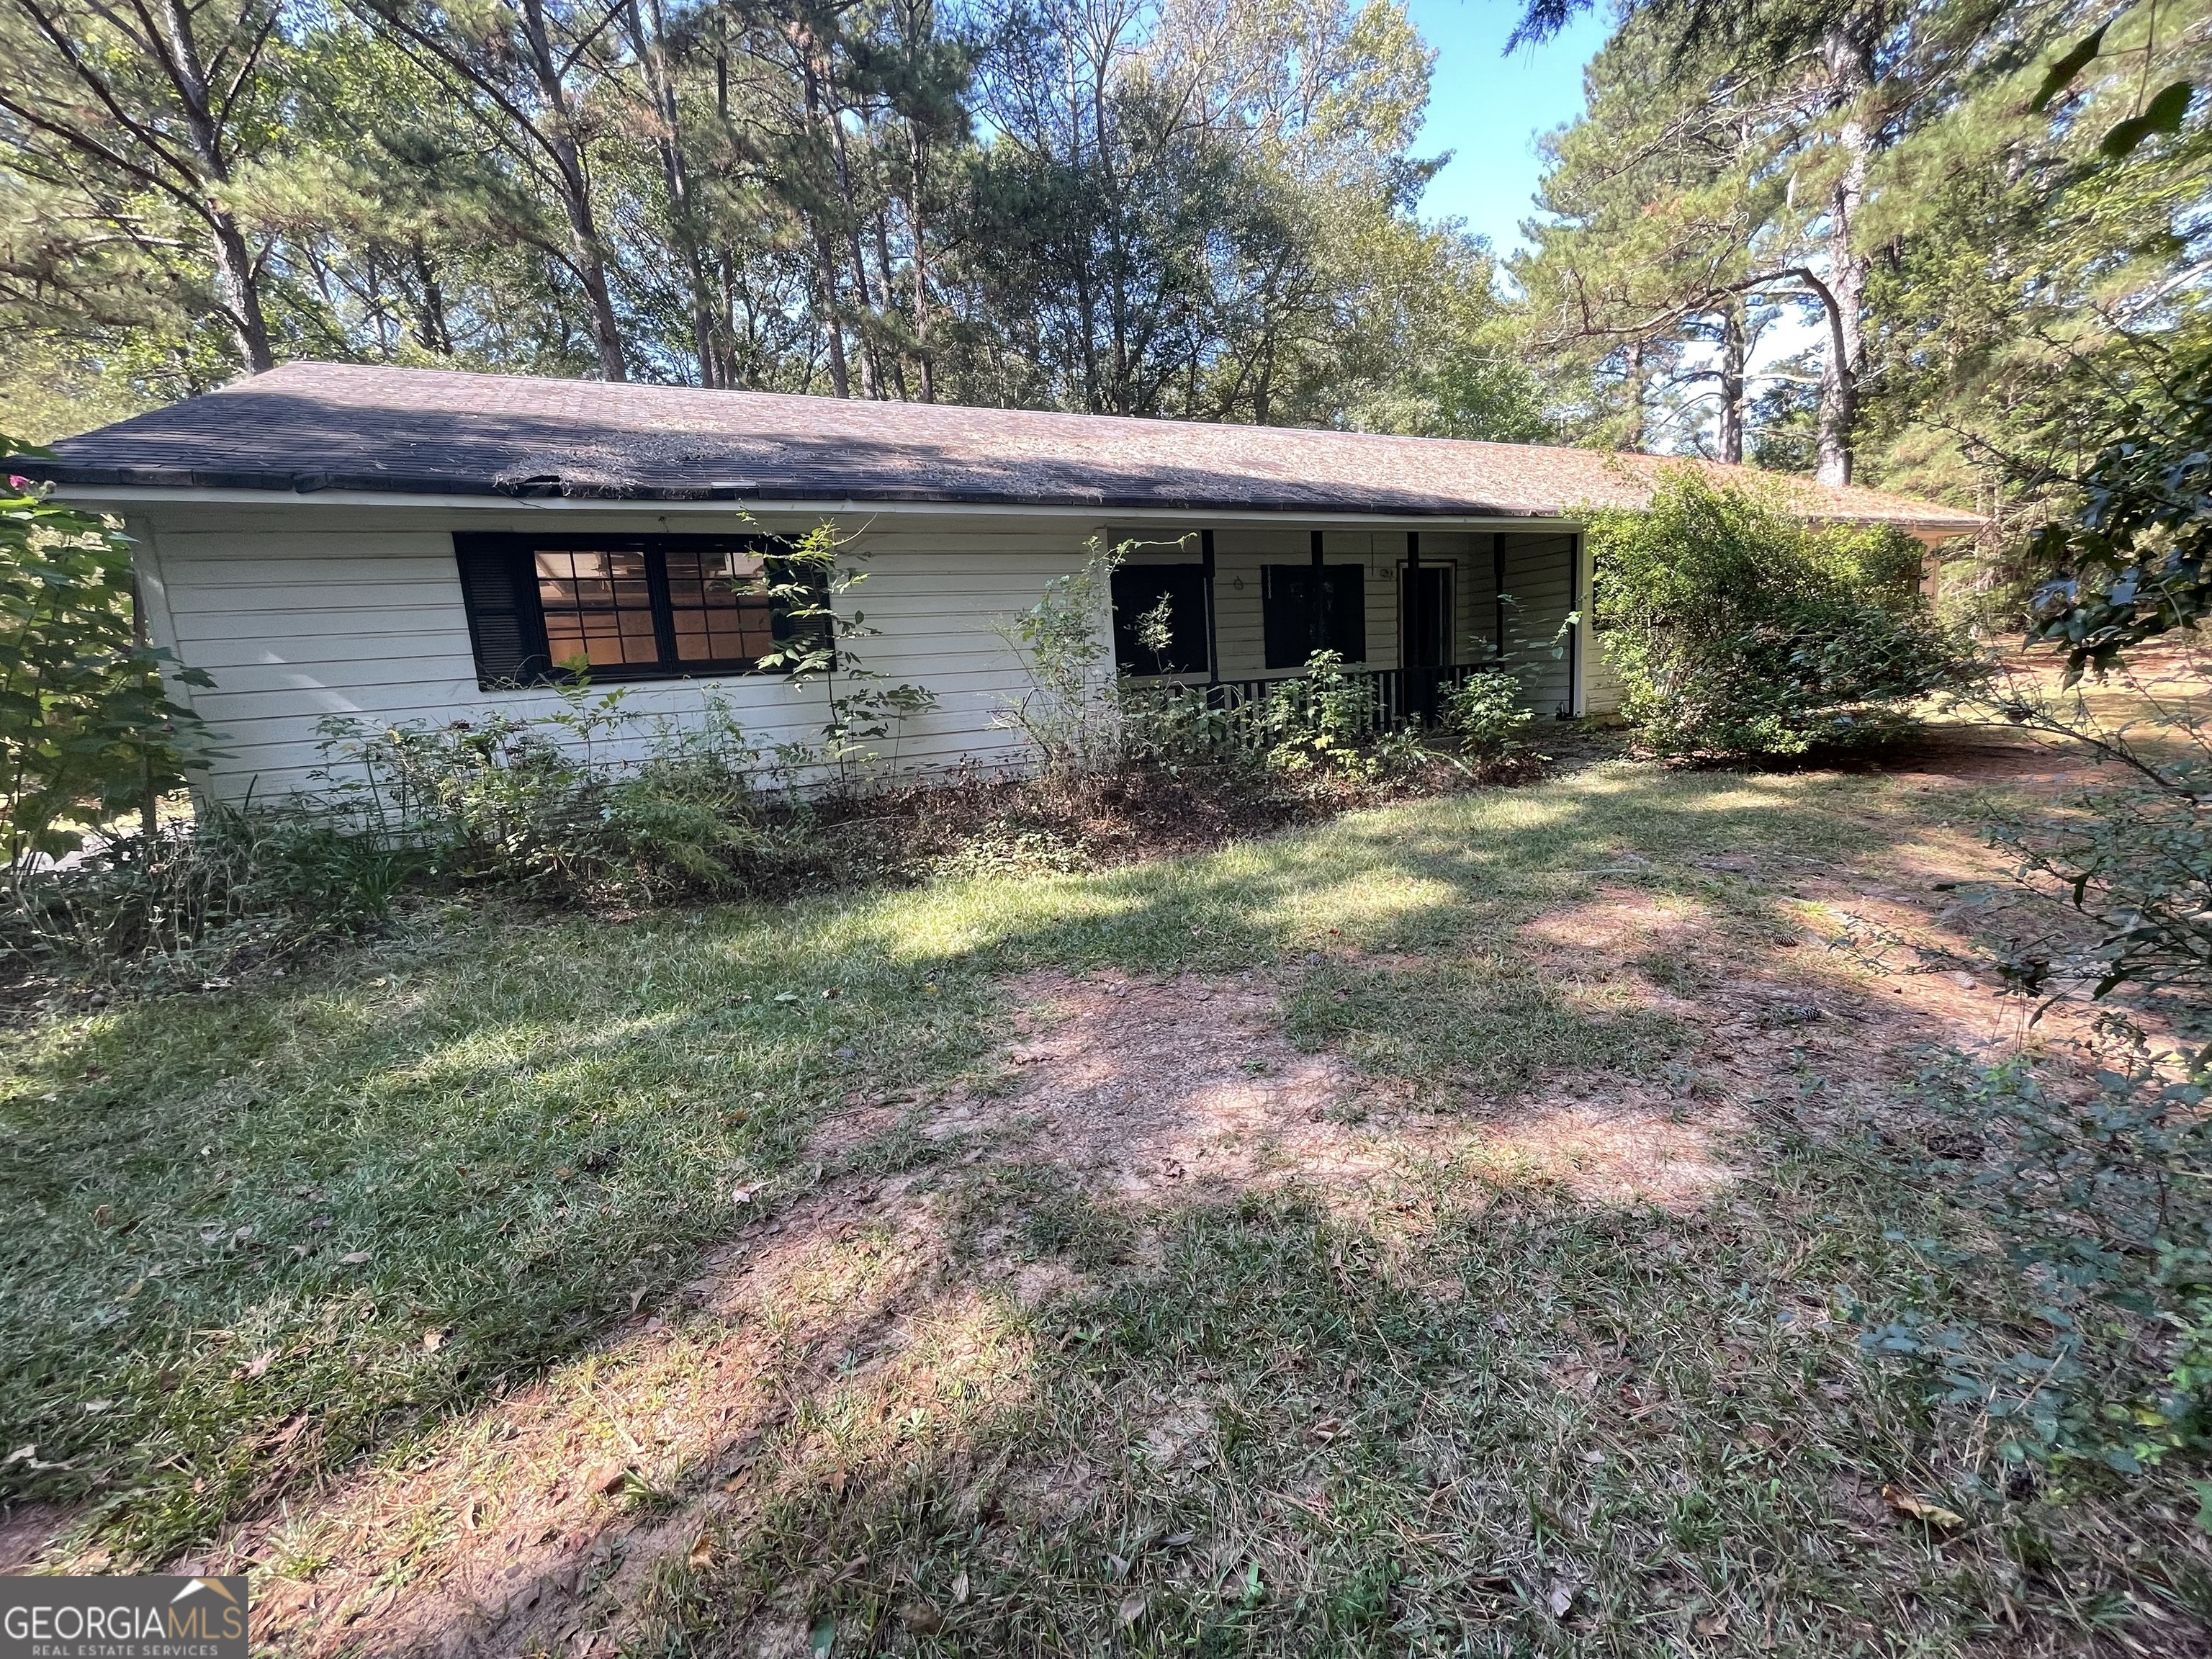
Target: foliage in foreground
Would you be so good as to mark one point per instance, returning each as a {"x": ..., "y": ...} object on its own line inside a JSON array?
[
  {"x": 86, "y": 729},
  {"x": 2134, "y": 563},
  {"x": 1740, "y": 631},
  {"x": 2089, "y": 1193}
]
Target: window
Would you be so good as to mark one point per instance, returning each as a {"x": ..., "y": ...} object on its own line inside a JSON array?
[
  {"x": 1139, "y": 591},
  {"x": 543, "y": 608},
  {"x": 1287, "y": 612}
]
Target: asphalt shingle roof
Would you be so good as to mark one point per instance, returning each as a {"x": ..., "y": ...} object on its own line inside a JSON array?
[{"x": 312, "y": 426}]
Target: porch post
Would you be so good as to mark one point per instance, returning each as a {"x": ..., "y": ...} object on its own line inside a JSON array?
[
  {"x": 1213, "y": 656},
  {"x": 1582, "y": 622},
  {"x": 1409, "y": 623},
  {"x": 1317, "y": 603},
  {"x": 1497, "y": 588}
]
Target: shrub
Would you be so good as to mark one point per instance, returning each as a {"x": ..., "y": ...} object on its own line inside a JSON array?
[
  {"x": 87, "y": 729},
  {"x": 1182, "y": 727},
  {"x": 1739, "y": 630},
  {"x": 1485, "y": 715},
  {"x": 199, "y": 900},
  {"x": 1323, "y": 720},
  {"x": 2132, "y": 858},
  {"x": 2088, "y": 1235},
  {"x": 539, "y": 807},
  {"x": 1072, "y": 712}
]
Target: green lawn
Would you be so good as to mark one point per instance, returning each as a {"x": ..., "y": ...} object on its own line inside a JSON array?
[{"x": 274, "y": 1254}]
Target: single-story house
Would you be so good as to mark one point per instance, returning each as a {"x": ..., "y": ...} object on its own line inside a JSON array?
[{"x": 404, "y": 544}]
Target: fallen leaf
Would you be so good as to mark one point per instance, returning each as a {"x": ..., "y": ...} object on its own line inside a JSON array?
[
  {"x": 960, "y": 1587},
  {"x": 1561, "y": 1598},
  {"x": 702, "y": 1553},
  {"x": 1710, "y": 1624},
  {"x": 290, "y": 1432},
  {"x": 1131, "y": 1608},
  {"x": 258, "y": 1364},
  {"x": 920, "y": 1618},
  {"x": 1921, "y": 1509},
  {"x": 136, "y": 1285},
  {"x": 353, "y": 1259},
  {"x": 1175, "y": 1541},
  {"x": 101, "y": 1214},
  {"x": 604, "y": 1477},
  {"x": 433, "y": 1341}
]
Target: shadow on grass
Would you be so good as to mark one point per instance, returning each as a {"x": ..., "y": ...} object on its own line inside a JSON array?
[
  {"x": 254, "y": 1235},
  {"x": 1480, "y": 1417}
]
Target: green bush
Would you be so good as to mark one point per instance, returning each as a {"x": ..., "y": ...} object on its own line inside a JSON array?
[
  {"x": 1485, "y": 715},
  {"x": 1179, "y": 726},
  {"x": 86, "y": 729},
  {"x": 1741, "y": 631},
  {"x": 199, "y": 900},
  {"x": 2086, "y": 1234},
  {"x": 538, "y": 806},
  {"x": 1323, "y": 720}
]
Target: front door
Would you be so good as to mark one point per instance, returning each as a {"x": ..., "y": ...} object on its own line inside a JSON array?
[
  {"x": 1424, "y": 637},
  {"x": 1424, "y": 616}
]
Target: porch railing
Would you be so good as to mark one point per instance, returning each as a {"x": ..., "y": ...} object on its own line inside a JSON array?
[{"x": 1393, "y": 697}]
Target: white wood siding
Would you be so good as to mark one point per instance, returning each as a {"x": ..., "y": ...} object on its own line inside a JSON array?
[{"x": 302, "y": 614}]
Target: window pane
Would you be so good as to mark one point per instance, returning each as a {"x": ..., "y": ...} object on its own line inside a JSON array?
[
  {"x": 598, "y": 608},
  {"x": 723, "y": 613},
  {"x": 1146, "y": 595}
]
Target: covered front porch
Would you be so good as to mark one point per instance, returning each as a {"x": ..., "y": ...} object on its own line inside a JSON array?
[{"x": 1411, "y": 611}]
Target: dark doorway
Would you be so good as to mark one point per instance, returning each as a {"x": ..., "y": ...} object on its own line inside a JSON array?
[{"x": 1425, "y": 636}]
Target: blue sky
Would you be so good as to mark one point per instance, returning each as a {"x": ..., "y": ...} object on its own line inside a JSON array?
[{"x": 1488, "y": 110}]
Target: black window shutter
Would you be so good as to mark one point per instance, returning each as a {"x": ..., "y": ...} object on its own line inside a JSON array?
[
  {"x": 1346, "y": 587},
  {"x": 1285, "y": 617},
  {"x": 499, "y": 589}
]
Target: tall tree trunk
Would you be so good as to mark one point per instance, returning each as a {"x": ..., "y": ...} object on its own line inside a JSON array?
[
  {"x": 437, "y": 332},
  {"x": 237, "y": 272},
  {"x": 1639, "y": 416},
  {"x": 237, "y": 280},
  {"x": 871, "y": 379},
  {"x": 918, "y": 228},
  {"x": 586, "y": 251},
  {"x": 825, "y": 282},
  {"x": 800, "y": 36},
  {"x": 1733, "y": 346},
  {"x": 887, "y": 285},
  {"x": 1849, "y": 58},
  {"x": 684, "y": 220}
]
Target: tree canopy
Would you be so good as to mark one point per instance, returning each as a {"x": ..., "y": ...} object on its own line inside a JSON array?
[{"x": 1202, "y": 208}]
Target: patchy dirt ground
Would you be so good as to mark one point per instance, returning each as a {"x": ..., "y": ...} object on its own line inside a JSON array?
[
  {"x": 539, "y": 1523},
  {"x": 882, "y": 1282}
]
